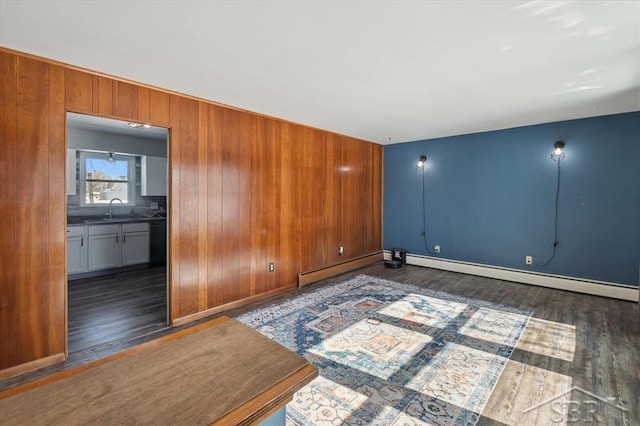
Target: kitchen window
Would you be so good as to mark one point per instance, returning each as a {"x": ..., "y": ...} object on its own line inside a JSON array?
[{"x": 105, "y": 176}]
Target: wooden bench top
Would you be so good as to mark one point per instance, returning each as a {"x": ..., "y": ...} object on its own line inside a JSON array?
[{"x": 221, "y": 371}]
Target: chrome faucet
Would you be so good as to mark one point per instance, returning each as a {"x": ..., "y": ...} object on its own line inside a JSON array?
[{"x": 111, "y": 205}]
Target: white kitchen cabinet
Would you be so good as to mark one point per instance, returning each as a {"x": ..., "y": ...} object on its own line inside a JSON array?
[
  {"x": 135, "y": 243},
  {"x": 72, "y": 187},
  {"x": 154, "y": 175},
  {"x": 116, "y": 245},
  {"x": 76, "y": 249},
  {"x": 104, "y": 252},
  {"x": 104, "y": 247}
]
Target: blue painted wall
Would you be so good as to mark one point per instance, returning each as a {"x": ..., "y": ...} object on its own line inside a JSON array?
[{"x": 490, "y": 198}]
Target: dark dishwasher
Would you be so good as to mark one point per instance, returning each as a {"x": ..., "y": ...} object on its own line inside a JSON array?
[{"x": 158, "y": 242}]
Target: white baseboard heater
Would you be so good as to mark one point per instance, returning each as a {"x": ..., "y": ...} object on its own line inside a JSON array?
[{"x": 559, "y": 282}]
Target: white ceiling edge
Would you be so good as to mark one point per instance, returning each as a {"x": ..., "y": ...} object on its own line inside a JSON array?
[
  {"x": 113, "y": 126},
  {"x": 381, "y": 71}
]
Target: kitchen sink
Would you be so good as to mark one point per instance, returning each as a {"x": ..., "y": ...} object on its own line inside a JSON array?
[{"x": 113, "y": 220}]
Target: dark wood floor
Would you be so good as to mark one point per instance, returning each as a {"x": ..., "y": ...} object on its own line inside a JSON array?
[
  {"x": 112, "y": 309},
  {"x": 591, "y": 342}
]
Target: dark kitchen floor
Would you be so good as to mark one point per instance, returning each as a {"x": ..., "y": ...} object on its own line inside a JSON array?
[{"x": 110, "y": 310}]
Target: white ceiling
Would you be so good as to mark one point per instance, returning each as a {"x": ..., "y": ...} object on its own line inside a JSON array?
[
  {"x": 384, "y": 71},
  {"x": 108, "y": 125}
]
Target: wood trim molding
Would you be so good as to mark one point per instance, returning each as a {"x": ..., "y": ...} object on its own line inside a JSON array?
[
  {"x": 269, "y": 403},
  {"x": 222, "y": 308},
  {"x": 309, "y": 277},
  {"x": 33, "y": 365}
]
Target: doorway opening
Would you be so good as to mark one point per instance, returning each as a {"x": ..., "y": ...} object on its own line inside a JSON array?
[{"x": 117, "y": 250}]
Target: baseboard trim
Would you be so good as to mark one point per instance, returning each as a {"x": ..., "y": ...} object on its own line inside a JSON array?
[
  {"x": 596, "y": 288},
  {"x": 228, "y": 306},
  {"x": 309, "y": 277},
  {"x": 32, "y": 365}
]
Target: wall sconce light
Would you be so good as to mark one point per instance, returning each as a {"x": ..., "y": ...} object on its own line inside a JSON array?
[
  {"x": 556, "y": 155},
  {"x": 421, "y": 161},
  {"x": 111, "y": 158},
  {"x": 558, "y": 151}
]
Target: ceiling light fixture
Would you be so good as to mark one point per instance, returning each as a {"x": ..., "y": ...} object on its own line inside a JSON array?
[
  {"x": 558, "y": 151},
  {"x": 139, "y": 126}
]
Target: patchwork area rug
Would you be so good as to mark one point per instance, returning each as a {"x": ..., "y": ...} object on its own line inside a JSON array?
[{"x": 392, "y": 354}]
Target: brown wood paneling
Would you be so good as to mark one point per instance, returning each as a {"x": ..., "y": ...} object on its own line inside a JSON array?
[
  {"x": 245, "y": 148},
  {"x": 270, "y": 207},
  {"x": 214, "y": 206},
  {"x": 368, "y": 155},
  {"x": 94, "y": 90},
  {"x": 314, "y": 198},
  {"x": 258, "y": 206},
  {"x": 57, "y": 235},
  {"x": 287, "y": 230},
  {"x": 285, "y": 225},
  {"x": 9, "y": 326},
  {"x": 79, "y": 91},
  {"x": 231, "y": 186},
  {"x": 174, "y": 207},
  {"x": 330, "y": 206},
  {"x": 236, "y": 213},
  {"x": 144, "y": 107},
  {"x": 32, "y": 211},
  {"x": 125, "y": 100},
  {"x": 103, "y": 96},
  {"x": 188, "y": 145},
  {"x": 304, "y": 184},
  {"x": 203, "y": 223},
  {"x": 333, "y": 201},
  {"x": 352, "y": 175},
  {"x": 159, "y": 108},
  {"x": 375, "y": 209},
  {"x": 245, "y": 190}
]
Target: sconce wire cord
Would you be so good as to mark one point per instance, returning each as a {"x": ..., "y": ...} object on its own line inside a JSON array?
[
  {"x": 424, "y": 216},
  {"x": 555, "y": 221}
]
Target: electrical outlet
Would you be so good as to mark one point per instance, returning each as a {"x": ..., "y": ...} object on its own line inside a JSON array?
[
  {"x": 436, "y": 249},
  {"x": 272, "y": 267},
  {"x": 528, "y": 260}
]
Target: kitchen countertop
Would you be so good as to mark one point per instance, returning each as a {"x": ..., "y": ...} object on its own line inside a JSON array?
[{"x": 93, "y": 220}]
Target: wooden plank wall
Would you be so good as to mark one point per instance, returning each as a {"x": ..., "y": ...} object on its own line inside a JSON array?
[{"x": 245, "y": 190}]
